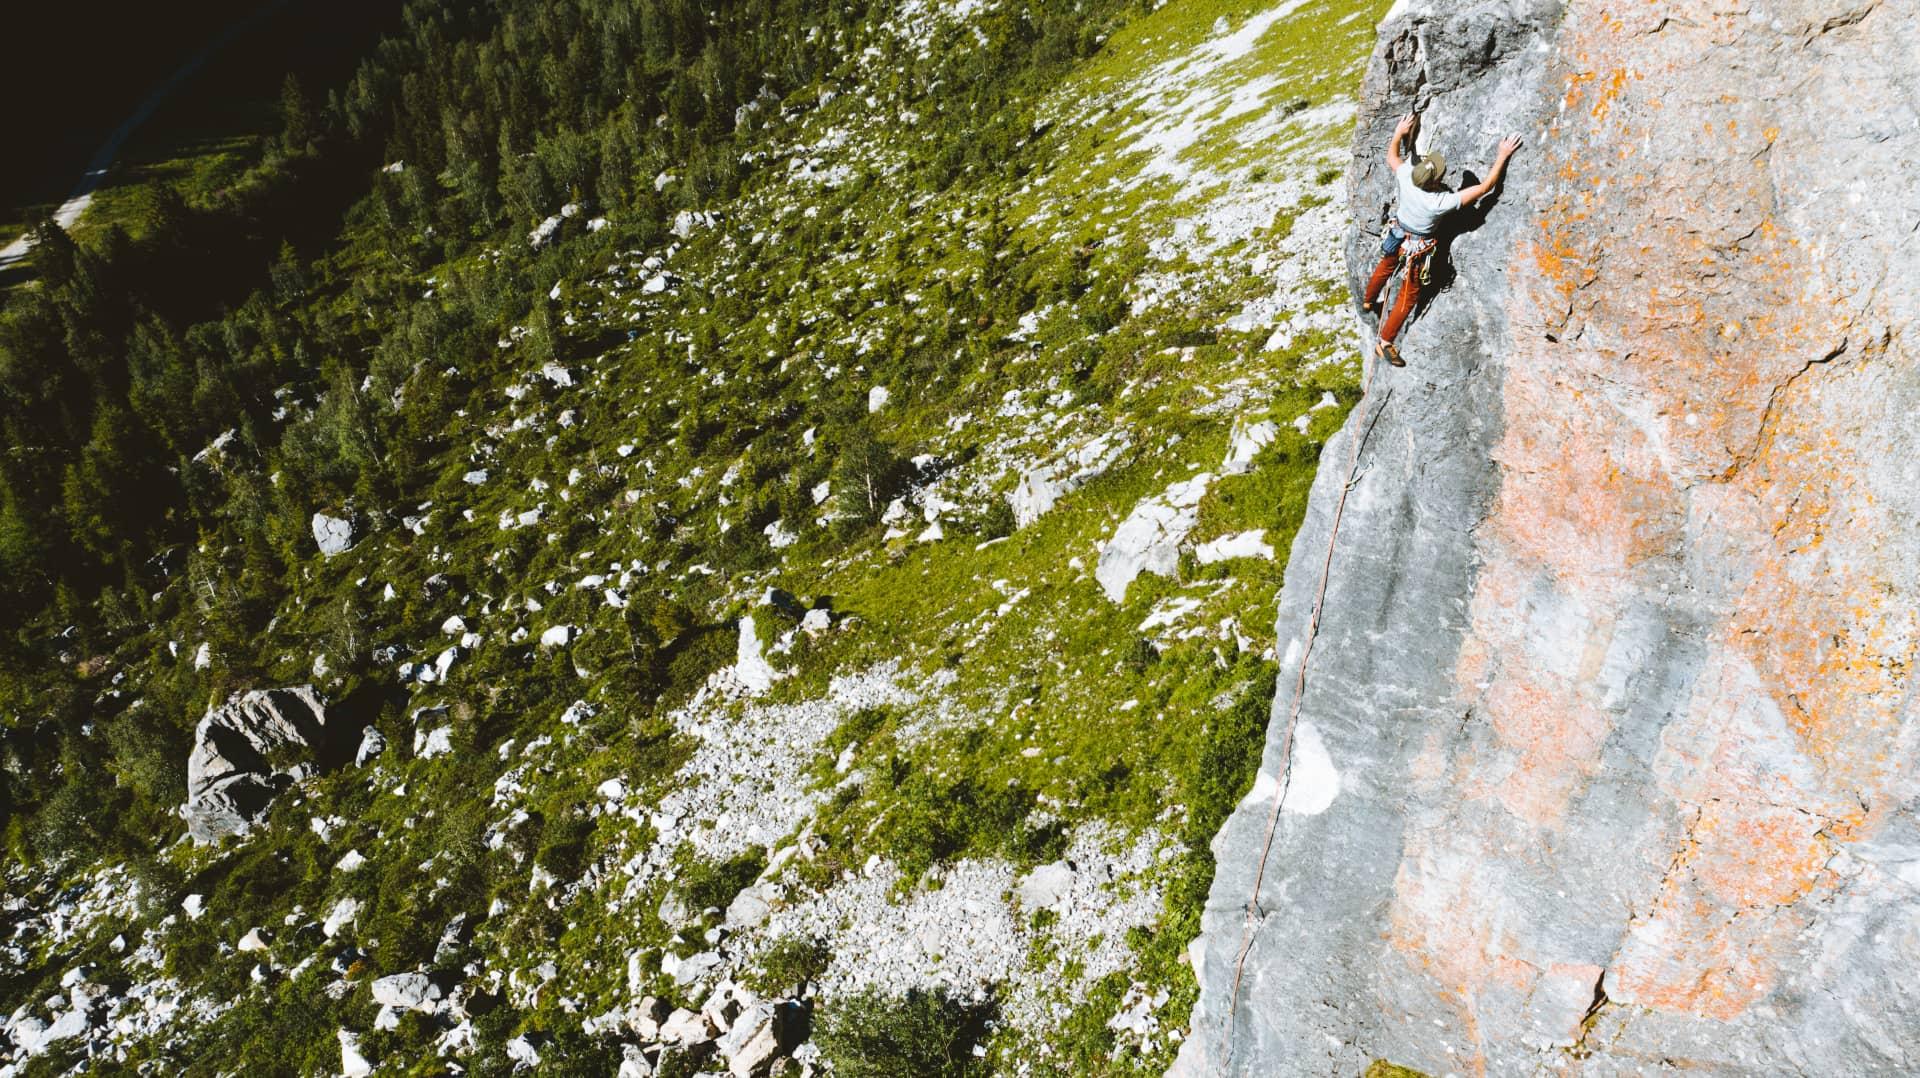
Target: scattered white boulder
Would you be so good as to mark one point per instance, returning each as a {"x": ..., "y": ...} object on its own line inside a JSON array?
[
  {"x": 1245, "y": 443},
  {"x": 408, "y": 991},
  {"x": 459, "y": 1040},
  {"x": 558, "y": 636},
  {"x": 372, "y": 744},
  {"x": 696, "y": 967},
  {"x": 633, "y": 1064},
  {"x": 194, "y": 906},
  {"x": 644, "y": 1017},
  {"x": 750, "y": 666},
  {"x": 338, "y": 918},
  {"x": 750, "y": 1045},
  {"x": 686, "y": 222},
  {"x": 332, "y": 535},
  {"x": 543, "y": 232},
  {"x": 1251, "y": 544},
  {"x": 428, "y": 744},
  {"x": 750, "y": 908},
  {"x": 442, "y": 663},
  {"x": 522, "y": 1052},
  {"x": 1040, "y": 487},
  {"x": 686, "y": 1027},
  {"x": 877, "y": 398},
  {"x": 778, "y": 537},
  {"x": 34, "y": 1036},
  {"x": 1034, "y": 495},
  {"x": 252, "y": 941},
  {"x": 352, "y": 1063}
]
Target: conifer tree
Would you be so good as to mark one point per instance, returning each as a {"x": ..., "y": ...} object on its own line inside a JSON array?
[{"x": 297, "y": 118}]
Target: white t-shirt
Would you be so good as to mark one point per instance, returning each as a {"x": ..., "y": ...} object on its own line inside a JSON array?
[{"x": 1419, "y": 211}]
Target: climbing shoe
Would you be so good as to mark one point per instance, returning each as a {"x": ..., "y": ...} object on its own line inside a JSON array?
[{"x": 1392, "y": 354}]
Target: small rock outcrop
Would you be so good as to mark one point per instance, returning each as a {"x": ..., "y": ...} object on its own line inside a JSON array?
[
  {"x": 246, "y": 750},
  {"x": 1606, "y": 756},
  {"x": 1149, "y": 540}
]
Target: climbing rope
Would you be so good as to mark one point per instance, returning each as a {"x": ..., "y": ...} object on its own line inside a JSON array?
[{"x": 1293, "y": 712}]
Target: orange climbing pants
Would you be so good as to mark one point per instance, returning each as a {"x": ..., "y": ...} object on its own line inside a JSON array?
[
  {"x": 1402, "y": 304},
  {"x": 1399, "y": 248}
]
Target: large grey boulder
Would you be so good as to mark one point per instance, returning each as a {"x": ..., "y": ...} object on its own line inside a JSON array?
[
  {"x": 246, "y": 750},
  {"x": 1606, "y": 755},
  {"x": 751, "y": 1045}
]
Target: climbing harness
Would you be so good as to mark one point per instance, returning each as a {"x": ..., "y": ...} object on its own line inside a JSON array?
[
  {"x": 1413, "y": 256},
  {"x": 1293, "y": 709},
  {"x": 1412, "y": 249}
]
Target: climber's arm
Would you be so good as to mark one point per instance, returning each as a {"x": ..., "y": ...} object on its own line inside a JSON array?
[
  {"x": 1393, "y": 147},
  {"x": 1471, "y": 195}
]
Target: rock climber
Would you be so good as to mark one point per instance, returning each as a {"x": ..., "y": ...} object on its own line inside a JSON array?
[{"x": 1409, "y": 238}]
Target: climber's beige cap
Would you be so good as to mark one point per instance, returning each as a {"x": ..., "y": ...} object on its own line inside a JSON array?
[{"x": 1429, "y": 168}]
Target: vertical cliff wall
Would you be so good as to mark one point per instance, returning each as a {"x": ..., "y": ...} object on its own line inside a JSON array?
[{"x": 1606, "y": 753}]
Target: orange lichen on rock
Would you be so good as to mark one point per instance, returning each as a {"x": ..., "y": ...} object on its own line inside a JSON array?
[
  {"x": 1712, "y": 941},
  {"x": 1554, "y": 738}
]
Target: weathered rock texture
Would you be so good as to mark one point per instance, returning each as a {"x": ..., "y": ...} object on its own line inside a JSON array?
[
  {"x": 249, "y": 748},
  {"x": 1614, "y": 684}
]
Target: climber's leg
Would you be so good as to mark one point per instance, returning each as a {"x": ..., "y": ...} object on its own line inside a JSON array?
[
  {"x": 1403, "y": 303},
  {"x": 1382, "y": 273}
]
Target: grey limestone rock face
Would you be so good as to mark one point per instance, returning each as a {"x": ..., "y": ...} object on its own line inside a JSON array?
[
  {"x": 246, "y": 750},
  {"x": 1605, "y": 758}
]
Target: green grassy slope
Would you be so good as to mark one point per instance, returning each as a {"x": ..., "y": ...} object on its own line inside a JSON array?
[{"x": 1134, "y": 261}]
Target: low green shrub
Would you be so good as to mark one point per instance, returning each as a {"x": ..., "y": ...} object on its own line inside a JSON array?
[
  {"x": 710, "y": 884},
  {"x": 791, "y": 961},
  {"x": 928, "y": 1034}
]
